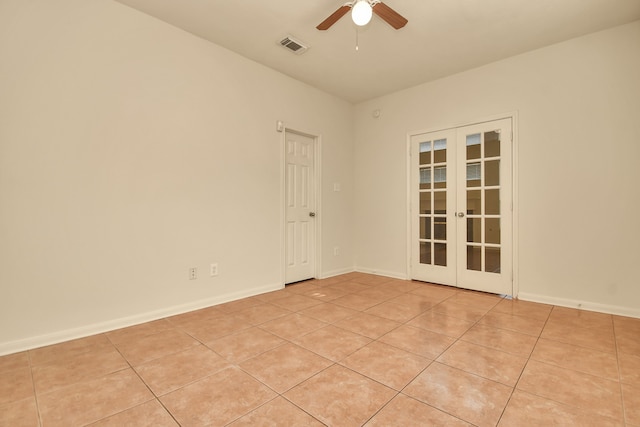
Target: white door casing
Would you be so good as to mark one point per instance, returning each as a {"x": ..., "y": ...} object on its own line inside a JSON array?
[
  {"x": 461, "y": 206},
  {"x": 300, "y": 205}
]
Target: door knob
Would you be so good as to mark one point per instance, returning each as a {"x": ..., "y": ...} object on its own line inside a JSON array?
[
  {"x": 460, "y": 214},
  {"x": 312, "y": 214}
]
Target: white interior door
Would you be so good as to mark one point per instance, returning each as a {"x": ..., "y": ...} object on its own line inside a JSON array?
[
  {"x": 461, "y": 210},
  {"x": 300, "y": 226}
]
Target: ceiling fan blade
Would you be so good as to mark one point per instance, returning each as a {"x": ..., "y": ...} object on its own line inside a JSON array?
[
  {"x": 392, "y": 17},
  {"x": 333, "y": 18}
]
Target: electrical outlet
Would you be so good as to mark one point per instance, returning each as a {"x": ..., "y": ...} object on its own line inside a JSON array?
[
  {"x": 213, "y": 269},
  {"x": 193, "y": 273},
  {"x": 336, "y": 250}
]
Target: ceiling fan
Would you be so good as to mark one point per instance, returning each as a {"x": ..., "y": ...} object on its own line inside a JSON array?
[{"x": 361, "y": 12}]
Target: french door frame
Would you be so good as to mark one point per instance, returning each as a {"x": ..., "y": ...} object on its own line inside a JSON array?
[
  {"x": 317, "y": 201},
  {"x": 514, "y": 189}
]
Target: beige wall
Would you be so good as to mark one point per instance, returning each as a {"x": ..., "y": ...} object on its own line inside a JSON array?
[
  {"x": 578, "y": 108},
  {"x": 131, "y": 151}
]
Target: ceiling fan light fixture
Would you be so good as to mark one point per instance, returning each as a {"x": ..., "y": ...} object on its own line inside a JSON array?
[{"x": 361, "y": 13}]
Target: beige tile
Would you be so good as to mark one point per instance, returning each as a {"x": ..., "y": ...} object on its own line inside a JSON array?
[
  {"x": 501, "y": 339},
  {"x": 368, "y": 325},
  {"x": 328, "y": 312},
  {"x": 302, "y": 287},
  {"x": 461, "y": 311},
  {"x": 631, "y": 398},
  {"x": 339, "y": 396},
  {"x": 176, "y": 370},
  {"x": 90, "y": 401},
  {"x": 630, "y": 324},
  {"x": 292, "y": 325},
  {"x": 296, "y": 302},
  {"x": 245, "y": 344},
  {"x": 380, "y": 293},
  {"x": 577, "y": 389},
  {"x": 419, "y": 341},
  {"x": 416, "y": 302},
  {"x": 581, "y": 359},
  {"x": 285, "y": 366},
  {"x": 579, "y": 318},
  {"x": 386, "y": 364},
  {"x": 350, "y": 287},
  {"x": 197, "y": 317},
  {"x": 524, "y": 325},
  {"x": 525, "y": 409},
  {"x": 80, "y": 367},
  {"x": 521, "y": 308},
  {"x": 488, "y": 363},
  {"x": 278, "y": 412},
  {"x": 151, "y": 413},
  {"x": 325, "y": 293},
  {"x": 262, "y": 313},
  {"x": 14, "y": 361},
  {"x": 435, "y": 293},
  {"x": 332, "y": 342},
  {"x": 273, "y": 295},
  {"x": 471, "y": 398},
  {"x": 142, "y": 330},
  {"x": 356, "y": 302},
  {"x": 145, "y": 348},
  {"x": 629, "y": 369},
  {"x": 369, "y": 279},
  {"x": 628, "y": 342},
  {"x": 408, "y": 412},
  {"x": 329, "y": 281},
  {"x": 213, "y": 330},
  {"x": 15, "y": 385},
  {"x": 441, "y": 323},
  {"x": 70, "y": 349},
  {"x": 599, "y": 338},
  {"x": 393, "y": 311},
  {"x": 217, "y": 399},
  {"x": 238, "y": 305},
  {"x": 476, "y": 299},
  {"x": 401, "y": 286},
  {"x": 19, "y": 413}
]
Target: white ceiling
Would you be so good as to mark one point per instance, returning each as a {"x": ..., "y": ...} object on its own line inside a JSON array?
[{"x": 442, "y": 37}]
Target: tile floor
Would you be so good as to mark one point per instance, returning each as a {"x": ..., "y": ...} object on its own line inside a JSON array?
[{"x": 352, "y": 350}]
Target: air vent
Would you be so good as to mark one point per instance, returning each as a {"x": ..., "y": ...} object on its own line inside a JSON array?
[{"x": 295, "y": 46}]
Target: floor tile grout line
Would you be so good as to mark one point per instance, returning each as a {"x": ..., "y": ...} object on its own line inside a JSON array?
[
  {"x": 615, "y": 341},
  {"x": 33, "y": 386},
  {"x": 515, "y": 386}
]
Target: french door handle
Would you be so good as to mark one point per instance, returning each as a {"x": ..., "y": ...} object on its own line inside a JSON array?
[
  {"x": 460, "y": 214},
  {"x": 312, "y": 214}
]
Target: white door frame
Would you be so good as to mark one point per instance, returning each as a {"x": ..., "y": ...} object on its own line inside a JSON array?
[
  {"x": 514, "y": 188},
  {"x": 317, "y": 200}
]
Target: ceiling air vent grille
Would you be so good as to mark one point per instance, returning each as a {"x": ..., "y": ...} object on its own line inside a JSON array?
[{"x": 295, "y": 46}]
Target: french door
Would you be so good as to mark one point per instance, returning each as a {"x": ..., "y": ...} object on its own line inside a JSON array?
[{"x": 461, "y": 207}]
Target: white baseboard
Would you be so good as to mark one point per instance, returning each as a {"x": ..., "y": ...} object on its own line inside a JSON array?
[
  {"x": 582, "y": 305},
  {"x": 110, "y": 325},
  {"x": 334, "y": 273},
  {"x": 392, "y": 274}
]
